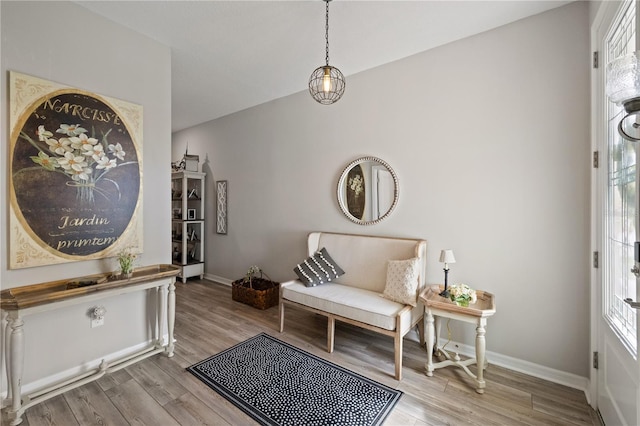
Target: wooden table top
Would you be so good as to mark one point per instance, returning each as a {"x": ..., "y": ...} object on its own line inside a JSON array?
[
  {"x": 43, "y": 293},
  {"x": 485, "y": 306}
]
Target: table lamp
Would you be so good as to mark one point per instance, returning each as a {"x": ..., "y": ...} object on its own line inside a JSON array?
[{"x": 446, "y": 257}]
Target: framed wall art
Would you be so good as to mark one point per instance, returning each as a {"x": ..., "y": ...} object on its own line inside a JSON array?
[
  {"x": 75, "y": 174},
  {"x": 221, "y": 206}
]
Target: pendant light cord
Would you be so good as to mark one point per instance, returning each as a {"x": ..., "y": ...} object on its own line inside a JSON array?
[{"x": 326, "y": 34}]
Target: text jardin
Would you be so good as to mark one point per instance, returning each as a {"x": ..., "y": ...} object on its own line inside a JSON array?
[{"x": 68, "y": 221}]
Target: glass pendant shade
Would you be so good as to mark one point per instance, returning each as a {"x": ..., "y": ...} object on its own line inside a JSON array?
[
  {"x": 623, "y": 78},
  {"x": 623, "y": 88},
  {"x": 326, "y": 84}
]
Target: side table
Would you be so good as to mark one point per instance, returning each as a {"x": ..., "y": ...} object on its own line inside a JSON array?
[{"x": 436, "y": 307}]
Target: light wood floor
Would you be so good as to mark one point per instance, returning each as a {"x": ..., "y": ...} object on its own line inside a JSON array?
[{"x": 158, "y": 391}]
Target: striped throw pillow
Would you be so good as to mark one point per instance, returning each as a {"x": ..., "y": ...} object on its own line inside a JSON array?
[{"x": 318, "y": 269}]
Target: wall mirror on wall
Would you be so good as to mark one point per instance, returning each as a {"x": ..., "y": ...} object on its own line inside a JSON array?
[{"x": 367, "y": 190}]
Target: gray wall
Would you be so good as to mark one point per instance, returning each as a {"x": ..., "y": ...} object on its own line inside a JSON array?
[
  {"x": 65, "y": 43},
  {"x": 489, "y": 137}
]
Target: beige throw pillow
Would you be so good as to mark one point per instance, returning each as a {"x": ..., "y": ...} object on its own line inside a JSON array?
[{"x": 402, "y": 281}]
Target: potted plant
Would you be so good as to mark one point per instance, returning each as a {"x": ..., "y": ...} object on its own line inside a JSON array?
[
  {"x": 259, "y": 292},
  {"x": 126, "y": 259}
]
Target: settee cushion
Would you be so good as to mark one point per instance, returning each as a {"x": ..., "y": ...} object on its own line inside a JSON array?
[
  {"x": 318, "y": 269},
  {"x": 350, "y": 302},
  {"x": 402, "y": 281}
]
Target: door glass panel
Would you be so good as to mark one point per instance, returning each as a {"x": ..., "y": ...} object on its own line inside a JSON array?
[{"x": 619, "y": 281}]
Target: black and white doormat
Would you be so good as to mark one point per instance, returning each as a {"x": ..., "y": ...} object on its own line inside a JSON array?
[{"x": 278, "y": 384}]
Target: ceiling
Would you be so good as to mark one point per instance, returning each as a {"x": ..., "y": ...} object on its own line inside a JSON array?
[{"x": 231, "y": 55}]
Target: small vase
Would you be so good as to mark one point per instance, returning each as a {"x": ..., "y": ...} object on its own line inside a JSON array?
[
  {"x": 126, "y": 275},
  {"x": 463, "y": 303}
]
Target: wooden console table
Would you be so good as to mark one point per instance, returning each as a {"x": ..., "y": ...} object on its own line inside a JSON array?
[
  {"x": 436, "y": 306},
  {"x": 19, "y": 302}
]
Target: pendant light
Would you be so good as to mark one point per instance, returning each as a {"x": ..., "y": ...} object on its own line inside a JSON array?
[{"x": 326, "y": 83}]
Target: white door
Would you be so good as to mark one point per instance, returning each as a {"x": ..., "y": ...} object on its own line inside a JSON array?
[{"x": 618, "y": 374}]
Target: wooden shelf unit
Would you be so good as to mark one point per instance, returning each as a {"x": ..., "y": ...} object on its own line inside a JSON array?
[{"x": 187, "y": 223}]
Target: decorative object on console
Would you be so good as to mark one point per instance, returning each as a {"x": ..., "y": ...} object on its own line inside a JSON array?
[
  {"x": 462, "y": 295},
  {"x": 126, "y": 260},
  {"x": 327, "y": 83},
  {"x": 98, "y": 312},
  {"x": 402, "y": 281},
  {"x": 258, "y": 292},
  {"x": 446, "y": 257},
  {"x": 221, "y": 207},
  {"x": 318, "y": 269},
  {"x": 623, "y": 88},
  {"x": 372, "y": 179}
]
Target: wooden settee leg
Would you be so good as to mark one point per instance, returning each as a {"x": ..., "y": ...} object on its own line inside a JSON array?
[
  {"x": 398, "y": 352},
  {"x": 281, "y": 317},
  {"x": 331, "y": 331}
]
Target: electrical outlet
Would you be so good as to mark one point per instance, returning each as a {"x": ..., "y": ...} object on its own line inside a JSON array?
[{"x": 97, "y": 322}]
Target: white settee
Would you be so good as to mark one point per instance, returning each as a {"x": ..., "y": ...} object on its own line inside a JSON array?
[{"x": 356, "y": 297}]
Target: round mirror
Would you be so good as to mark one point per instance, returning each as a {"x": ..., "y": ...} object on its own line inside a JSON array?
[{"x": 367, "y": 190}]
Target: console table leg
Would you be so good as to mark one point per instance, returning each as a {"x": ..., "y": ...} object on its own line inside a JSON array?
[
  {"x": 7, "y": 356},
  {"x": 171, "y": 316},
  {"x": 430, "y": 331},
  {"x": 16, "y": 361},
  {"x": 480, "y": 354}
]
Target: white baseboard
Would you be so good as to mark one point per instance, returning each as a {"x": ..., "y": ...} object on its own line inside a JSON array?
[
  {"x": 556, "y": 376},
  {"x": 540, "y": 371},
  {"x": 218, "y": 279}
]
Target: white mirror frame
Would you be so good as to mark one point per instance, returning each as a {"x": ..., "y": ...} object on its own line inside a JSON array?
[{"x": 342, "y": 183}]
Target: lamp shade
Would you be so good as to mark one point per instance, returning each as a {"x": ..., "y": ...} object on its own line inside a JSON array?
[
  {"x": 623, "y": 78},
  {"x": 326, "y": 84},
  {"x": 446, "y": 256},
  {"x": 623, "y": 88}
]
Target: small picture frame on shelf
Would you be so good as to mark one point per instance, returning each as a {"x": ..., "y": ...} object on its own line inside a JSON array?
[{"x": 191, "y": 214}]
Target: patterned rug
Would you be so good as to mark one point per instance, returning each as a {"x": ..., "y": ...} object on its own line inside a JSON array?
[{"x": 278, "y": 384}]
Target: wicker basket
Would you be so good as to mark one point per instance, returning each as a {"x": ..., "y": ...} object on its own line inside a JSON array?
[{"x": 263, "y": 295}]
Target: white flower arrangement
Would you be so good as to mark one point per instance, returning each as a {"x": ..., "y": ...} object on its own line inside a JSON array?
[{"x": 462, "y": 294}]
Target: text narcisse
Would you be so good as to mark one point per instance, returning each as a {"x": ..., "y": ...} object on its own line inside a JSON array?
[{"x": 81, "y": 111}]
